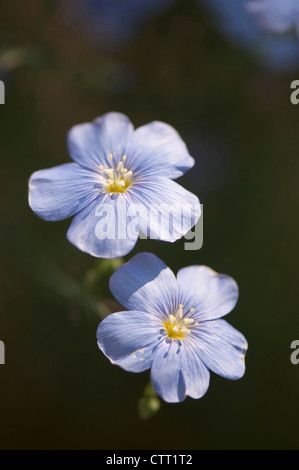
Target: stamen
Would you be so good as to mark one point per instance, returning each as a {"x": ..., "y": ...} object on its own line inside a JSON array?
[
  {"x": 185, "y": 331},
  {"x": 180, "y": 311},
  {"x": 117, "y": 179},
  {"x": 177, "y": 326},
  {"x": 127, "y": 174},
  {"x": 109, "y": 172},
  {"x": 188, "y": 321},
  {"x": 119, "y": 166}
]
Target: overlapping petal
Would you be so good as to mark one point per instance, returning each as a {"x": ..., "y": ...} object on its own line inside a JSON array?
[
  {"x": 129, "y": 339},
  {"x": 221, "y": 347},
  {"x": 101, "y": 228},
  {"x": 166, "y": 374},
  {"x": 215, "y": 294},
  {"x": 60, "y": 192},
  {"x": 178, "y": 371},
  {"x": 90, "y": 144},
  {"x": 195, "y": 372},
  {"x": 156, "y": 149},
  {"x": 145, "y": 283},
  {"x": 166, "y": 210}
]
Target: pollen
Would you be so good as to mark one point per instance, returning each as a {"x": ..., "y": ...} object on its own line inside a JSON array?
[
  {"x": 178, "y": 326},
  {"x": 118, "y": 179}
]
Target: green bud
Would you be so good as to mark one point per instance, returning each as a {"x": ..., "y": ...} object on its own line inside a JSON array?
[{"x": 149, "y": 404}]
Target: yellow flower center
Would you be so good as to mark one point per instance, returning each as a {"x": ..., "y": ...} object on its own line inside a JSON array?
[
  {"x": 117, "y": 179},
  {"x": 178, "y": 327}
]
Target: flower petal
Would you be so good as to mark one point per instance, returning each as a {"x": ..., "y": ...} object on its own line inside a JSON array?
[
  {"x": 145, "y": 283},
  {"x": 167, "y": 211},
  {"x": 90, "y": 144},
  {"x": 157, "y": 149},
  {"x": 195, "y": 373},
  {"x": 166, "y": 374},
  {"x": 221, "y": 347},
  {"x": 60, "y": 192},
  {"x": 102, "y": 230},
  {"x": 129, "y": 339},
  {"x": 274, "y": 16},
  {"x": 217, "y": 294}
]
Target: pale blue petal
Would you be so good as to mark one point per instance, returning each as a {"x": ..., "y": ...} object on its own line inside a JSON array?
[
  {"x": 157, "y": 149},
  {"x": 166, "y": 374},
  {"x": 129, "y": 339},
  {"x": 166, "y": 210},
  {"x": 101, "y": 229},
  {"x": 145, "y": 283},
  {"x": 195, "y": 373},
  {"x": 60, "y": 192},
  {"x": 178, "y": 371},
  {"x": 90, "y": 144},
  {"x": 275, "y": 15},
  {"x": 215, "y": 294},
  {"x": 221, "y": 347}
]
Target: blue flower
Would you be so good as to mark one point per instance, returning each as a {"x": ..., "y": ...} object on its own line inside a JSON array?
[
  {"x": 173, "y": 326},
  {"x": 276, "y": 15},
  {"x": 238, "y": 19},
  {"x": 119, "y": 185}
]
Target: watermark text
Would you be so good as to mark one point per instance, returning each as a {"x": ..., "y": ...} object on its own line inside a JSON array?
[
  {"x": 155, "y": 221},
  {"x": 2, "y": 353},
  {"x": 295, "y": 94},
  {"x": 2, "y": 92},
  {"x": 295, "y": 354}
]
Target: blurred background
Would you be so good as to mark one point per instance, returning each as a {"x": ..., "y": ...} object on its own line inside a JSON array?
[{"x": 220, "y": 76}]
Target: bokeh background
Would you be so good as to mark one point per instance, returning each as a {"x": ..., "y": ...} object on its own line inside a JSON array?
[{"x": 224, "y": 85}]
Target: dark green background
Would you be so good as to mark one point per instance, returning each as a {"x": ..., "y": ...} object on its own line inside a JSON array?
[{"x": 57, "y": 390}]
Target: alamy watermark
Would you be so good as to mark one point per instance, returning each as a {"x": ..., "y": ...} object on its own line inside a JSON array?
[
  {"x": 156, "y": 221},
  {"x": 295, "y": 354},
  {"x": 2, "y": 353},
  {"x": 2, "y": 92},
  {"x": 295, "y": 94},
  {"x": 195, "y": 235}
]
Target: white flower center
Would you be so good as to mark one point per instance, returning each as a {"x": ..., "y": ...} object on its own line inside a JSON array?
[
  {"x": 177, "y": 326},
  {"x": 117, "y": 179}
]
